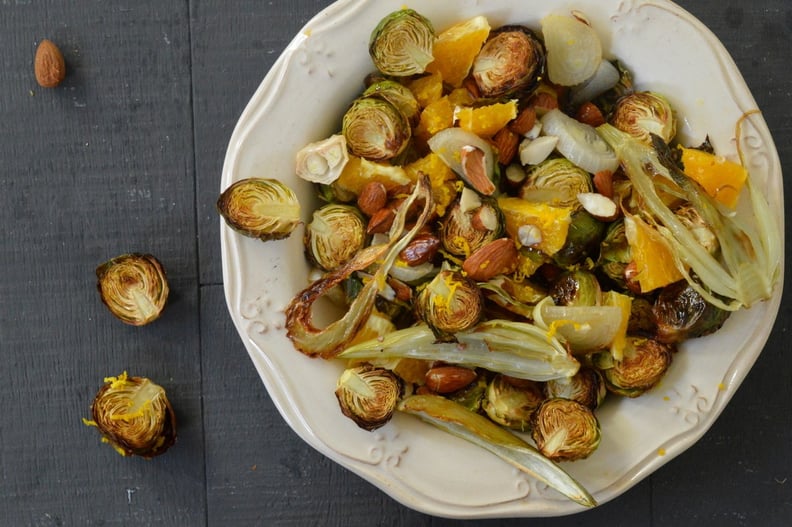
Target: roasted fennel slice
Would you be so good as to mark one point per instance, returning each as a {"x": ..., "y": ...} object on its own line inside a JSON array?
[
  {"x": 517, "y": 349},
  {"x": 477, "y": 429}
]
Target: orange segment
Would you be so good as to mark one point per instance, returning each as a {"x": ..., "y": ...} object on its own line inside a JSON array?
[
  {"x": 456, "y": 48},
  {"x": 721, "y": 178},
  {"x": 551, "y": 222},
  {"x": 445, "y": 184},
  {"x": 485, "y": 121},
  {"x": 427, "y": 89},
  {"x": 653, "y": 257},
  {"x": 358, "y": 172},
  {"x": 624, "y": 303},
  {"x": 439, "y": 115}
]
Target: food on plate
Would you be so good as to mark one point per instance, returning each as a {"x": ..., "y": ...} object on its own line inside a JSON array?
[
  {"x": 536, "y": 238},
  {"x": 134, "y": 416},
  {"x": 134, "y": 287},
  {"x": 260, "y": 208}
]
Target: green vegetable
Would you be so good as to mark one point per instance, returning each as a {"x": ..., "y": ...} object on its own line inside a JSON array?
[
  {"x": 517, "y": 349},
  {"x": 749, "y": 265},
  {"x": 477, "y": 429},
  {"x": 401, "y": 44}
]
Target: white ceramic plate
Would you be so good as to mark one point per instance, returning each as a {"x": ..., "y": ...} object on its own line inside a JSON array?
[{"x": 302, "y": 100}]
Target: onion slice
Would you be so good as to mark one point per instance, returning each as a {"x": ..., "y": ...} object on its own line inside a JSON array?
[
  {"x": 579, "y": 142},
  {"x": 574, "y": 50}
]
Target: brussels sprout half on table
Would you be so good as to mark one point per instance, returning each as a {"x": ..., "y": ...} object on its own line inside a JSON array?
[
  {"x": 133, "y": 287},
  {"x": 134, "y": 416}
]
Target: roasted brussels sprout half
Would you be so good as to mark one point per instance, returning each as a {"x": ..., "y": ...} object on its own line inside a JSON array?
[
  {"x": 472, "y": 396},
  {"x": 644, "y": 363},
  {"x": 565, "y": 430},
  {"x": 463, "y": 231},
  {"x": 401, "y": 44},
  {"x": 586, "y": 387},
  {"x": 583, "y": 239},
  {"x": 576, "y": 288},
  {"x": 334, "y": 235},
  {"x": 260, "y": 208},
  {"x": 642, "y": 114},
  {"x": 368, "y": 395},
  {"x": 615, "y": 254},
  {"x": 375, "y": 129},
  {"x": 556, "y": 181},
  {"x": 134, "y": 415},
  {"x": 398, "y": 95},
  {"x": 450, "y": 303},
  {"x": 133, "y": 287},
  {"x": 511, "y": 402},
  {"x": 511, "y": 61},
  {"x": 682, "y": 313}
]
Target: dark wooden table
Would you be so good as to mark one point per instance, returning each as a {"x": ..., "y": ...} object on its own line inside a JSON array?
[{"x": 126, "y": 156}]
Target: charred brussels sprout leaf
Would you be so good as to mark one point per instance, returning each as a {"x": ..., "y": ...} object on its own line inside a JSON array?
[
  {"x": 511, "y": 61},
  {"x": 368, "y": 395},
  {"x": 576, "y": 288},
  {"x": 401, "y": 44},
  {"x": 134, "y": 415},
  {"x": 260, "y": 208},
  {"x": 375, "y": 129},
  {"x": 682, "y": 313},
  {"x": 565, "y": 430},
  {"x": 133, "y": 287},
  {"x": 334, "y": 235}
]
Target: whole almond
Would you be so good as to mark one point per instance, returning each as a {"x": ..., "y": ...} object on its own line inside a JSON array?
[
  {"x": 420, "y": 250},
  {"x": 49, "y": 66},
  {"x": 381, "y": 221},
  {"x": 506, "y": 143},
  {"x": 372, "y": 198},
  {"x": 447, "y": 379},
  {"x": 488, "y": 261}
]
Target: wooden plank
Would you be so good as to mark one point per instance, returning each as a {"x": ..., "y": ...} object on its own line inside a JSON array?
[
  {"x": 234, "y": 45},
  {"x": 99, "y": 166}
]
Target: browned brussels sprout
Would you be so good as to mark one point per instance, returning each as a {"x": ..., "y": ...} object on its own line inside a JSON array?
[
  {"x": 645, "y": 362},
  {"x": 583, "y": 239},
  {"x": 576, "y": 288},
  {"x": 556, "y": 181},
  {"x": 510, "y": 402},
  {"x": 402, "y": 43},
  {"x": 334, "y": 235},
  {"x": 133, "y": 287},
  {"x": 375, "y": 129},
  {"x": 467, "y": 227},
  {"x": 450, "y": 303},
  {"x": 368, "y": 395},
  {"x": 512, "y": 60},
  {"x": 472, "y": 396},
  {"x": 586, "y": 387},
  {"x": 398, "y": 95},
  {"x": 642, "y": 114},
  {"x": 615, "y": 254},
  {"x": 682, "y": 313},
  {"x": 565, "y": 430},
  {"x": 260, "y": 208},
  {"x": 134, "y": 416}
]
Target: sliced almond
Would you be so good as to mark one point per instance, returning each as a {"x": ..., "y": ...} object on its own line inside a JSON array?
[
  {"x": 534, "y": 151},
  {"x": 599, "y": 206},
  {"x": 475, "y": 170}
]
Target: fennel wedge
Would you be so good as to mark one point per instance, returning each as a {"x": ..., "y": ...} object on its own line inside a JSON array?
[
  {"x": 517, "y": 349},
  {"x": 749, "y": 265},
  {"x": 477, "y": 429}
]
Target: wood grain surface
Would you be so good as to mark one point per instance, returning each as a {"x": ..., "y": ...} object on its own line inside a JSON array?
[{"x": 125, "y": 155}]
